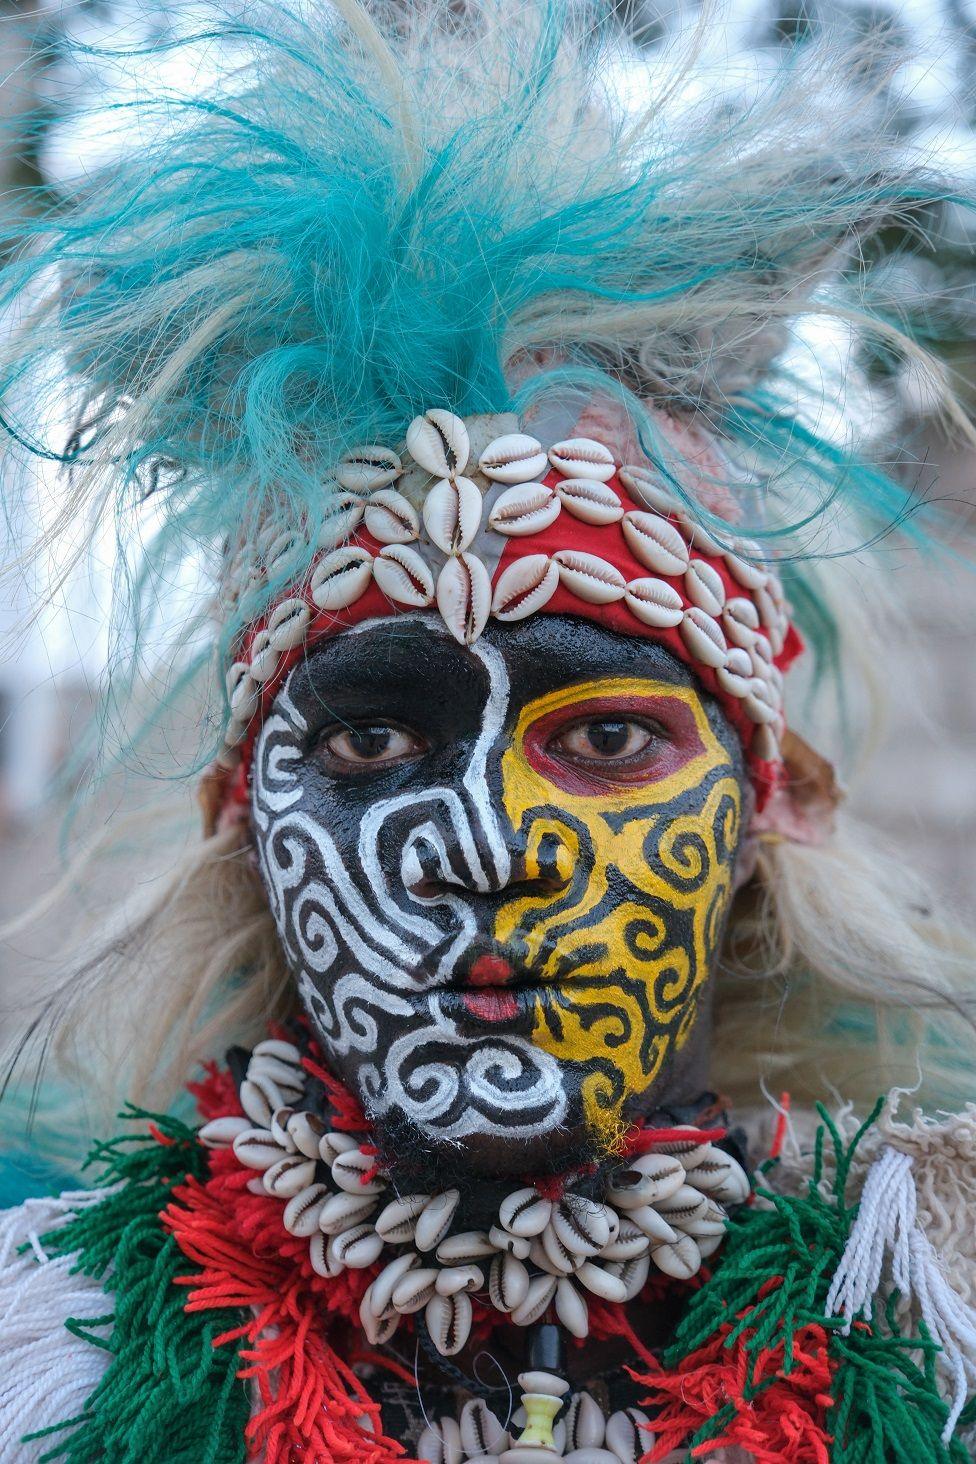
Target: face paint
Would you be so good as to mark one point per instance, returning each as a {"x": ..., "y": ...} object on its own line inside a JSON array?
[
  {"x": 499, "y": 941},
  {"x": 623, "y": 952}
]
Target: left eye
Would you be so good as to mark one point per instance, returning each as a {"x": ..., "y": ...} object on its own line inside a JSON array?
[
  {"x": 370, "y": 745},
  {"x": 604, "y": 740}
]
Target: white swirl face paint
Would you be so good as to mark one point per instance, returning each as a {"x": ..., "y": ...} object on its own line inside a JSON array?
[{"x": 375, "y": 933}]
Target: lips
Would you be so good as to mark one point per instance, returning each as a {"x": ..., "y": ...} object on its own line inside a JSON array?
[{"x": 491, "y": 1000}]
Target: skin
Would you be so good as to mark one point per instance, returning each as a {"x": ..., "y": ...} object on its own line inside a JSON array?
[{"x": 501, "y": 884}]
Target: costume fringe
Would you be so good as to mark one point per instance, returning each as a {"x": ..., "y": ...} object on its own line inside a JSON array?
[
  {"x": 759, "y": 1363},
  {"x": 166, "y": 1394},
  {"x": 48, "y": 1371}
]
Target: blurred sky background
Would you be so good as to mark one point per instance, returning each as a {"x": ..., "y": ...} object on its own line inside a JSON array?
[{"x": 918, "y": 787}]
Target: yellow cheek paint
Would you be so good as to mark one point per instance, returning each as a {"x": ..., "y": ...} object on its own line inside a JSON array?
[{"x": 640, "y": 878}]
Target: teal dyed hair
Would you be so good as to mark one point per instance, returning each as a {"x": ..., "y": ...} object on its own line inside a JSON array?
[{"x": 368, "y": 217}]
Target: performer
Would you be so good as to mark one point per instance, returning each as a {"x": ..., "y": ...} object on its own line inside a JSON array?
[{"x": 521, "y": 898}]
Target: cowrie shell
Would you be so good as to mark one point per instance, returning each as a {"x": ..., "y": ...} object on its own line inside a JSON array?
[
  {"x": 722, "y": 1177},
  {"x": 645, "y": 1180},
  {"x": 464, "y": 597},
  {"x": 585, "y": 1424},
  {"x": 288, "y": 624},
  {"x": 357, "y": 1247},
  {"x": 641, "y": 484},
  {"x": 571, "y": 1308},
  {"x": 481, "y": 1432},
  {"x": 397, "y": 1221},
  {"x": 769, "y": 613},
  {"x": 365, "y": 469},
  {"x": 259, "y": 1098},
  {"x": 414, "y": 1290},
  {"x": 526, "y": 509},
  {"x": 332, "y": 1144},
  {"x": 696, "y": 534},
  {"x": 735, "y": 676},
  {"x": 257, "y": 1148},
  {"x": 349, "y": 1171},
  {"x": 629, "y": 1241},
  {"x": 764, "y": 744},
  {"x": 525, "y": 1212},
  {"x": 503, "y": 1240},
  {"x": 538, "y": 1298},
  {"x": 561, "y": 1260},
  {"x": 434, "y": 1220},
  {"x": 470, "y": 1245},
  {"x": 381, "y": 1291},
  {"x": 690, "y": 1151},
  {"x": 685, "y": 1209},
  {"x": 514, "y": 458},
  {"x": 628, "y": 1435},
  {"x": 602, "y": 1283},
  {"x": 703, "y": 637},
  {"x": 590, "y": 500},
  {"x": 761, "y": 653},
  {"x": 448, "y": 1321},
  {"x": 680, "y": 1259},
  {"x": 524, "y": 587},
  {"x": 452, "y": 513},
  {"x": 458, "y": 1278},
  {"x": 655, "y": 603},
  {"x": 750, "y": 576},
  {"x": 305, "y": 1131},
  {"x": 378, "y": 1329},
  {"x": 343, "y": 515},
  {"x": 740, "y": 620},
  {"x": 220, "y": 1133},
  {"x": 243, "y": 692},
  {"x": 264, "y": 658},
  {"x": 655, "y": 542},
  {"x": 301, "y": 1214},
  {"x": 289, "y": 1075},
  {"x": 341, "y": 578},
  {"x": 341, "y": 1212},
  {"x": 704, "y": 587},
  {"x": 391, "y": 518},
  {"x": 582, "y": 1225},
  {"x": 581, "y": 457},
  {"x": 279, "y": 1128},
  {"x": 321, "y": 1257},
  {"x": 438, "y": 442},
  {"x": 289, "y": 1176},
  {"x": 654, "y": 1226},
  {"x": 403, "y": 576},
  {"x": 708, "y": 1244},
  {"x": 761, "y": 704},
  {"x": 633, "y": 1273},
  {"x": 508, "y": 1283},
  {"x": 589, "y": 577},
  {"x": 440, "y": 1443},
  {"x": 538, "y": 1255}
]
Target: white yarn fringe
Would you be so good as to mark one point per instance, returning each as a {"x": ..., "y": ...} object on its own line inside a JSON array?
[
  {"x": 887, "y": 1226},
  {"x": 46, "y": 1373}
]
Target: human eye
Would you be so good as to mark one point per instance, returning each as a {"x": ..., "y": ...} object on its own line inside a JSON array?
[
  {"x": 608, "y": 742},
  {"x": 359, "y": 747}
]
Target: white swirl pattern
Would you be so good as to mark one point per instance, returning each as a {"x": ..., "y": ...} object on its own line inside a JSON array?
[{"x": 368, "y": 959}]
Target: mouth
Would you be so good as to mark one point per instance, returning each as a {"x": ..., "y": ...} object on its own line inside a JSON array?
[{"x": 489, "y": 990}]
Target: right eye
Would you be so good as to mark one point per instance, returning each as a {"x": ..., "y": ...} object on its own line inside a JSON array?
[{"x": 371, "y": 745}]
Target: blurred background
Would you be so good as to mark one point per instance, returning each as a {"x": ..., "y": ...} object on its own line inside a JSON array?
[{"x": 917, "y": 785}]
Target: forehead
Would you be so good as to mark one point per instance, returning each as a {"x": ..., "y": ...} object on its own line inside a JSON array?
[{"x": 416, "y": 659}]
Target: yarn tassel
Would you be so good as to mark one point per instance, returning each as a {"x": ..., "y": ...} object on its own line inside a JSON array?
[{"x": 887, "y": 1229}]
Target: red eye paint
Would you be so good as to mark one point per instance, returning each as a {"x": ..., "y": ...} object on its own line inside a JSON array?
[{"x": 674, "y": 744}]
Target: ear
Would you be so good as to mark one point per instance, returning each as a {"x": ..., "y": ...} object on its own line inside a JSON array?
[
  {"x": 219, "y": 795},
  {"x": 802, "y": 808}
]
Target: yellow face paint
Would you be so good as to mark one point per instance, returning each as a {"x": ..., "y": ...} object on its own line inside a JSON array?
[{"x": 638, "y": 878}]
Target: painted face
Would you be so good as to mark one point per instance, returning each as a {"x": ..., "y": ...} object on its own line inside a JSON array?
[{"x": 501, "y": 885}]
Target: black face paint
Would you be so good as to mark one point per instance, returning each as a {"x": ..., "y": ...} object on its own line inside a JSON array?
[{"x": 500, "y": 882}]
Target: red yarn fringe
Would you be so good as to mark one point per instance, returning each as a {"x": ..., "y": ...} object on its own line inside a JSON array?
[
  {"x": 778, "y": 1415},
  {"x": 312, "y": 1407}
]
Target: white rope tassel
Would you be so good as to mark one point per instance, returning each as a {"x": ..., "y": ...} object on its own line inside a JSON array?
[
  {"x": 47, "y": 1373},
  {"x": 886, "y": 1227}
]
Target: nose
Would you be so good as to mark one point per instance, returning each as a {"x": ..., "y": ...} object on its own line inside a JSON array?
[{"x": 528, "y": 865}]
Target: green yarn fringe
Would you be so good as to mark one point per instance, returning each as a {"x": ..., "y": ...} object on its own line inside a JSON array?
[
  {"x": 169, "y": 1396},
  {"x": 886, "y": 1409}
]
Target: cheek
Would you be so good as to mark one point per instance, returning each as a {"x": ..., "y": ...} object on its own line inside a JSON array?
[{"x": 628, "y": 940}]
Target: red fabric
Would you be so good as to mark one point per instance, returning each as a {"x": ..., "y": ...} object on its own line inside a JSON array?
[{"x": 568, "y": 532}]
